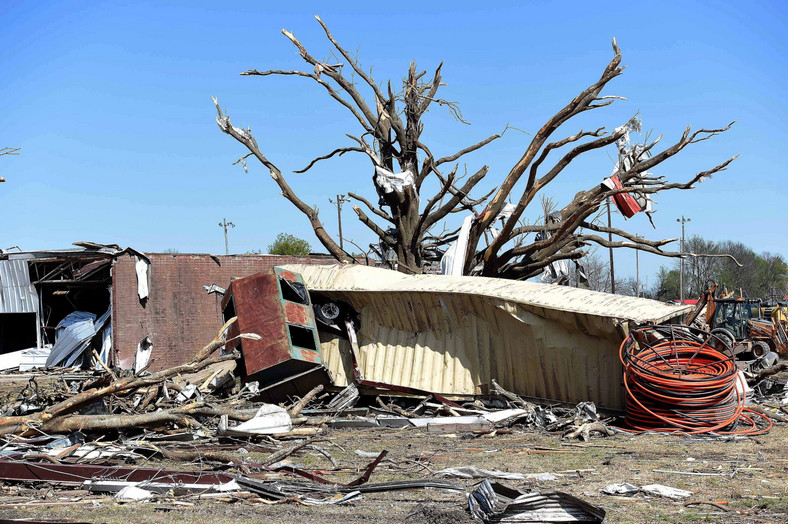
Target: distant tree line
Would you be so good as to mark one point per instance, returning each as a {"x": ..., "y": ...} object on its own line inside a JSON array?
[{"x": 763, "y": 275}]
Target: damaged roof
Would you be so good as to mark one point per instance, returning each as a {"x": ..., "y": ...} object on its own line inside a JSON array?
[{"x": 81, "y": 251}]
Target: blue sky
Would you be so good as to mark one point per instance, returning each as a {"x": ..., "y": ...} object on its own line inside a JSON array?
[{"x": 110, "y": 103}]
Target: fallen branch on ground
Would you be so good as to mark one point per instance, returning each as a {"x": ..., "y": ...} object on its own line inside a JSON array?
[
  {"x": 55, "y": 419},
  {"x": 584, "y": 431},
  {"x": 296, "y": 409}
]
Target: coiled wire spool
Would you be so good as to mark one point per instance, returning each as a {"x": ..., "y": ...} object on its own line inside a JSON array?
[{"x": 677, "y": 380}]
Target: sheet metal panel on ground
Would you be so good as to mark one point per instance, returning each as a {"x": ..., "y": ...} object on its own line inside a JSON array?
[{"x": 453, "y": 335}]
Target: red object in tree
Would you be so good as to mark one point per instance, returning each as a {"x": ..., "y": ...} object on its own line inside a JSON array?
[{"x": 625, "y": 202}]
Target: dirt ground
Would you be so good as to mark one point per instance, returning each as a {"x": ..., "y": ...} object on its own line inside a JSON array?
[{"x": 746, "y": 477}]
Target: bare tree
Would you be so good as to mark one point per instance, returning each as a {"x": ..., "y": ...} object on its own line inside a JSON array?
[
  {"x": 497, "y": 241},
  {"x": 701, "y": 272},
  {"x": 597, "y": 271},
  {"x": 8, "y": 151}
]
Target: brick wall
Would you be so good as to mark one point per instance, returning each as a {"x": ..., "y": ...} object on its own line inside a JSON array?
[{"x": 179, "y": 316}]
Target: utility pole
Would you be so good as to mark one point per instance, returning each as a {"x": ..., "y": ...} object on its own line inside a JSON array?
[
  {"x": 341, "y": 199},
  {"x": 637, "y": 271},
  {"x": 610, "y": 239},
  {"x": 681, "y": 260},
  {"x": 225, "y": 224}
]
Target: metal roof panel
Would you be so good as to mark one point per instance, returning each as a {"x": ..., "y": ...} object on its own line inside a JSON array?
[{"x": 17, "y": 294}]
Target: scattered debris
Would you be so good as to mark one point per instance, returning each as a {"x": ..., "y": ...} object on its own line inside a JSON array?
[
  {"x": 240, "y": 419},
  {"x": 628, "y": 490},
  {"x": 133, "y": 493},
  {"x": 474, "y": 472},
  {"x": 62, "y": 473},
  {"x": 665, "y": 491},
  {"x": 624, "y": 489},
  {"x": 493, "y": 502},
  {"x": 268, "y": 420}
]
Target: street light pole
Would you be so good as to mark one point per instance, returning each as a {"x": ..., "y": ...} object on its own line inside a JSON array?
[
  {"x": 225, "y": 224},
  {"x": 681, "y": 260}
]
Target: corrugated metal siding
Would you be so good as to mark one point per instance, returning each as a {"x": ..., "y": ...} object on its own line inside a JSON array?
[
  {"x": 453, "y": 335},
  {"x": 408, "y": 340},
  {"x": 17, "y": 294}
]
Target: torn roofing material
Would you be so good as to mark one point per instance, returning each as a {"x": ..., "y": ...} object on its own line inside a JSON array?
[
  {"x": 85, "y": 252},
  {"x": 74, "y": 334},
  {"x": 454, "y": 335},
  {"x": 82, "y": 251}
]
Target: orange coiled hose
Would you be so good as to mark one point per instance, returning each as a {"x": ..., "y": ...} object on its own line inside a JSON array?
[{"x": 676, "y": 380}]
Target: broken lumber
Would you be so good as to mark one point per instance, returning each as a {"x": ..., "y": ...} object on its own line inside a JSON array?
[
  {"x": 782, "y": 366},
  {"x": 281, "y": 455},
  {"x": 296, "y": 409},
  {"x": 511, "y": 396}
]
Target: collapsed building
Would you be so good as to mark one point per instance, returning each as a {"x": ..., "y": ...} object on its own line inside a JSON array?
[
  {"x": 115, "y": 300},
  {"x": 315, "y": 338},
  {"x": 53, "y": 303},
  {"x": 445, "y": 335}
]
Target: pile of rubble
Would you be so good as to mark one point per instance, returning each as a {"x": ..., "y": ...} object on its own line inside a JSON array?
[
  {"x": 106, "y": 432},
  {"x": 224, "y": 425}
]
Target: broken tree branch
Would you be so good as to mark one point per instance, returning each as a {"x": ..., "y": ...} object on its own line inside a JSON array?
[
  {"x": 283, "y": 454},
  {"x": 20, "y": 424},
  {"x": 245, "y": 137},
  {"x": 375, "y": 210},
  {"x": 339, "y": 151},
  {"x": 385, "y": 237},
  {"x": 296, "y": 409}
]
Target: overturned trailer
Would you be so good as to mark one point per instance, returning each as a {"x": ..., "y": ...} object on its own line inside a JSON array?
[{"x": 453, "y": 335}]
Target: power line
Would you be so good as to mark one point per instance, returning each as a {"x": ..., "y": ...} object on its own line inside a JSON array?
[
  {"x": 341, "y": 199},
  {"x": 225, "y": 224},
  {"x": 681, "y": 260},
  {"x": 610, "y": 243}
]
